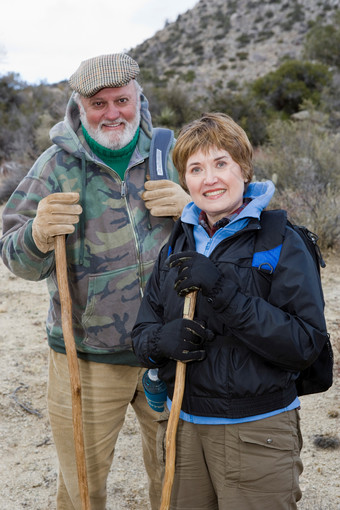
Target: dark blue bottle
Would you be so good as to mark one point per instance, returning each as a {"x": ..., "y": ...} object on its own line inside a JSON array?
[{"x": 155, "y": 390}]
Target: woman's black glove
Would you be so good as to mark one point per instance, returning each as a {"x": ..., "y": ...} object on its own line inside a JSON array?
[
  {"x": 195, "y": 271},
  {"x": 181, "y": 340},
  {"x": 198, "y": 272}
]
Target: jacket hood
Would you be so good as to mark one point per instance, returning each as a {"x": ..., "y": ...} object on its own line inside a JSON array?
[{"x": 67, "y": 136}]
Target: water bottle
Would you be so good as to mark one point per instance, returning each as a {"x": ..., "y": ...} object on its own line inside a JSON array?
[{"x": 155, "y": 390}]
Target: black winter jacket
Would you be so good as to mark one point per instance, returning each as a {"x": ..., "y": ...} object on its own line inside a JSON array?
[{"x": 261, "y": 341}]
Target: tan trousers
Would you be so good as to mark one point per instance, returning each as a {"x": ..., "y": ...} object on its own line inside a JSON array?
[
  {"x": 107, "y": 391},
  {"x": 249, "y": 466}
]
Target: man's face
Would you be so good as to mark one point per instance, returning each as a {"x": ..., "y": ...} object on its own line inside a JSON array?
[{"x": 111, "y": 117}]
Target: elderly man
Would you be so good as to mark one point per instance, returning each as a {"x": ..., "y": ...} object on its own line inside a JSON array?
[{"x": 93, "y": 185}]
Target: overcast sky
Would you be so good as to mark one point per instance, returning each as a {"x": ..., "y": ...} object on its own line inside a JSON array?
[{"x": 45, "y": 40}]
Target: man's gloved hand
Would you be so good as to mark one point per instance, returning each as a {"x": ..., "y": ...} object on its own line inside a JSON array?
[
  {"x": 181, "y": 340},
  {"x": 165, "y": 198},
  {"x": 195, "y": 271},
  {"x": 56, "y": 214}
]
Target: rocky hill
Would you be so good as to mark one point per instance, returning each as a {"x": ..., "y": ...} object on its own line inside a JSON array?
[{"x": 226, "y": 43}]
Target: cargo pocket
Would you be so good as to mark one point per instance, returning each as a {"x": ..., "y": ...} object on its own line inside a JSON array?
[{"x": 269, "y": 458}]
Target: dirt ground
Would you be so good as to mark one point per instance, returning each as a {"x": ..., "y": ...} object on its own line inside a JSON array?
[{"x": 28, "y": 464}]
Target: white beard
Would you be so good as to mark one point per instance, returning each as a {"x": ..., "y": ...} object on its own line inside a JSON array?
[{"x": 115, "y": 140}]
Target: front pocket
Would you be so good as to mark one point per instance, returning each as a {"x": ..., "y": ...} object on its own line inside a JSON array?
[{"x": 113, "y": 301}]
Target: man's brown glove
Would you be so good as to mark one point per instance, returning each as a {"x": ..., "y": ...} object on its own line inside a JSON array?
[
  {"x": 56, "y": 214},
  {"x": 165, "y": 198}
]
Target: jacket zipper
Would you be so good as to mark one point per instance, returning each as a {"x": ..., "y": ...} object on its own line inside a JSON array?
[
  {"x": 123, "y": 189},
  {"x": 123, "y": 195}
]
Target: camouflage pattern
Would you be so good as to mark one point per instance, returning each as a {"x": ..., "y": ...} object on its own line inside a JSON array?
[{"x": 110, "y": 255}]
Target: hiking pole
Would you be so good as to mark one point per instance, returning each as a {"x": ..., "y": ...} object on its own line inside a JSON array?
[
  {"x": 170, "y": 440},
  {"x": 73, "y": 367}
]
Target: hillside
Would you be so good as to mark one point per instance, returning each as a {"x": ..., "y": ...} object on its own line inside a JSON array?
[{"x": 225, "y": 43}]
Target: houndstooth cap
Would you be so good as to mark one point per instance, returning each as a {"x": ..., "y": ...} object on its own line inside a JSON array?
[{"x": 94, "y": 74}]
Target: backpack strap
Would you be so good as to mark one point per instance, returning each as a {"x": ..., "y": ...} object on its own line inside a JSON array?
[
  {"x": 161, "y": 142},
  {"x": 269, "y": 240}
]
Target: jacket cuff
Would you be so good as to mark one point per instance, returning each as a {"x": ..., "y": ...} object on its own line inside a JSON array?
[
  {"x": 29, "y": 242},
  {"x": 153, "y": 353}
]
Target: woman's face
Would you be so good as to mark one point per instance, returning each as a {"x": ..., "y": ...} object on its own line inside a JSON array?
[{"x": 215, "y": 183}]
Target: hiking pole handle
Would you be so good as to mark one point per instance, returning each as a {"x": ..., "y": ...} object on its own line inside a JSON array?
[
  {"x": 73, "y": 367},
  {"x": 170, "y": 441}
]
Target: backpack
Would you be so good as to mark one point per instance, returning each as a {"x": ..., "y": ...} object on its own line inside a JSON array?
[
  {"x": 318, "y": 377},
  {"x": 161, "y": 142}
]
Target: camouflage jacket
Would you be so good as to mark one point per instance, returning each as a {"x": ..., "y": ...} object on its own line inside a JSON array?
[{"x": 113, "y": 249}]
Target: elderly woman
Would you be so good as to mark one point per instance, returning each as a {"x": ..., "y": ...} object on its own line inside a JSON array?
[{"x": 238, "y": 439}]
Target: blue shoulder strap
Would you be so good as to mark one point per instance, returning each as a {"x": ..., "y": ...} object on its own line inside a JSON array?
[
  {"x": 269, "y": 240},
  {"x": 161, "y": 142}
]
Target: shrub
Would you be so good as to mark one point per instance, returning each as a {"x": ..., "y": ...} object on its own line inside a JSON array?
[
  {"x": 189, "y": 76},
  {"x": 243, "y": 39},
  {"x": 243, "y": 108},
  {"x": 172, "y": 106},
  {"x": 242, "y": 55},
  {"x": 305, "y": 162},
  {"x": 293, "y": 82},
  {"x": 323, "y": 43}
]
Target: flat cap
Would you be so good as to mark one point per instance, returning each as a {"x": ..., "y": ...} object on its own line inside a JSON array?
[{"x": 94, "y": 74}]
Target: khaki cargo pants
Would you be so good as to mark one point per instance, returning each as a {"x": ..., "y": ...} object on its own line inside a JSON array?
[
  {"x": 107, "y": 391},
  {"x": 248, "y": 466}
]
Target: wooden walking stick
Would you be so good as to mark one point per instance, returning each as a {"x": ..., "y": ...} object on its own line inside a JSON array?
[
  {"x": 73, "y": 367},
  {"x": 170, "y": 440}
]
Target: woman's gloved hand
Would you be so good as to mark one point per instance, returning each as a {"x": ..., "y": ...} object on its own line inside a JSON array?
[
  {"x": 198, "y": 272},
  {"x": 181, "y": 339},
  {"x": 195, "y": 272}
]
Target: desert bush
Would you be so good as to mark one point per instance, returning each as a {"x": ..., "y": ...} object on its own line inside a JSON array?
[
  {"x": 23, "y": 113},
  {"x": 292, "y": 83},
  {"x": 167, "y": 117},
  {"x": 171, "y": 106},
  {"x": 305, "y": 162},
  {"x": 246, "y": 110},
  {"x": 323, "y": 42},
  {"x": 330, "y": 102}
]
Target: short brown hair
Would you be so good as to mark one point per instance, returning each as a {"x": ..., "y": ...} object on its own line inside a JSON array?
[{"x": 213, "y": 130}]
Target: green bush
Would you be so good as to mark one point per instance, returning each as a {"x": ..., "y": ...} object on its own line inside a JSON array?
[
  {"x": 242, "y": 55},
  {"x": 189, "y": 76},
  {"x": 292, "y": 83},
  {"x": 243, "y": 39}
]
